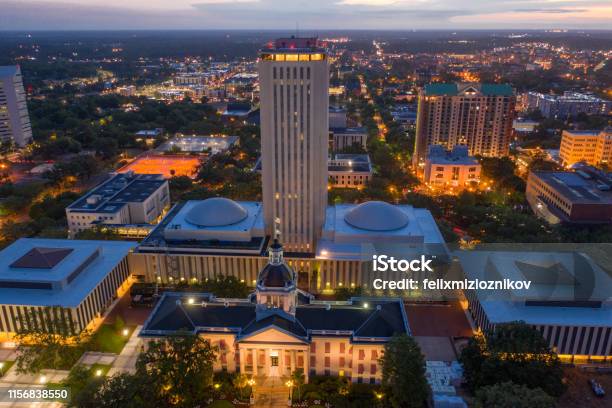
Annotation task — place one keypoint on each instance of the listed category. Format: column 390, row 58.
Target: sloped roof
column 380, row 318
column 438, row 89
column 41, row 258
column 292, row 326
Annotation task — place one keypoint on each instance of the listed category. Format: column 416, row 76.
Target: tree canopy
column 403, row 369
column 512, row 352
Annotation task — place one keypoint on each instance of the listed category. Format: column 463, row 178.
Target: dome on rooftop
column 216, row 212
column 376, row 216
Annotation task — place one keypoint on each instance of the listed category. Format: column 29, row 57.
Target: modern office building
column 568, row 300
column 14, row 118
column 124, row 199
column 79, row 278
column 455, row 168
column 280, row 328
column 349, row 137
column 567, row 105
column 583, row 196
column 477, row 115
column 592, row 147
column 294, row 81
column 349, row 170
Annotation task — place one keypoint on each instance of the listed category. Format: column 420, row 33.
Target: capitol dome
column 216, row 212
column 376, row 216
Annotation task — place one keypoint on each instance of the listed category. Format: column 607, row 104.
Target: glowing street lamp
column 289, row 384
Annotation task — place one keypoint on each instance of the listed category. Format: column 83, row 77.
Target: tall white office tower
column 14, row 118
column 294, row 83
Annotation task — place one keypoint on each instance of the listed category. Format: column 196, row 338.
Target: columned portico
column 277, row 363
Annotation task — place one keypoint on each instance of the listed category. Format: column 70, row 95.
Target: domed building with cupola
column 279, row 328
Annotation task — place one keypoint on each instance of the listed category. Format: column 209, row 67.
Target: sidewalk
column 126, row 361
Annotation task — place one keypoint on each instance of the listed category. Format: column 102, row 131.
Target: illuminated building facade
column 294, row 82
column 591, row 147
column 280, row 329
column 473, row 114
column 14, row 118
column 455, row 168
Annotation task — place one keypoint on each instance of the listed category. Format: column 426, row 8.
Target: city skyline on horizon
column 314, row 15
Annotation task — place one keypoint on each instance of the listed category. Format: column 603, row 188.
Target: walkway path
column 126, row 361
column 271, row 393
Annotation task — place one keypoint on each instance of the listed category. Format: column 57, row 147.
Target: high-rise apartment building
column 14, row 119
column 477, row 115
column 294, row 82
column 593, row 147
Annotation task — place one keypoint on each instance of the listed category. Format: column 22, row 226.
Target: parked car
column 597, row 388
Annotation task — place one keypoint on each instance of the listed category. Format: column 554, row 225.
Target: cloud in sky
column 310, row 14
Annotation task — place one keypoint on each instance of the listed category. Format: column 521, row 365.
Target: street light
column 290, row 385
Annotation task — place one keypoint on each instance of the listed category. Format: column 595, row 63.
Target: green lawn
column 108, row 340
column 7, row 365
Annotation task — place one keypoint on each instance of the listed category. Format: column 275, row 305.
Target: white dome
column 216, row 212
column 376, row 216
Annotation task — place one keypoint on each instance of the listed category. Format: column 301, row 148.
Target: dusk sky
column 310, row 14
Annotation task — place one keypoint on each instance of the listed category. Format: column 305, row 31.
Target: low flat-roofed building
column 455, row 168
column 125, row 198
column 582, row 196
column 280, row 328
column 568, row 104
column 237, row 110
column 593, row 147
column 199, row 144
column 337, row 117
column 568, row 300
column 82, row 278
column 347, row 137
column 349, row 170
column 524, row 126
